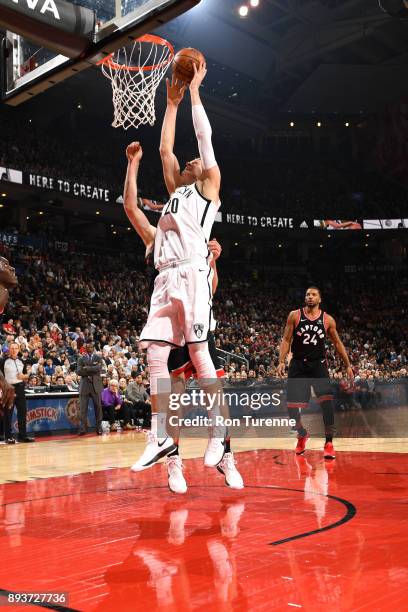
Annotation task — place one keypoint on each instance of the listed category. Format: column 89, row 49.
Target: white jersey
column 184, row 227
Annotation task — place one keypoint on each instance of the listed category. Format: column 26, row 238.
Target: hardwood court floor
column 304, row 533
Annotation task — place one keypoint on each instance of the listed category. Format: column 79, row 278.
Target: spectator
column 122, row 392
column 71, row 383
column 33, row 382
column 138, row 397
column 60, row 384
column 113, row 407
column 49, row 367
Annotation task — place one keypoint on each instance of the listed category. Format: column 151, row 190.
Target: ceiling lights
column 244, row 8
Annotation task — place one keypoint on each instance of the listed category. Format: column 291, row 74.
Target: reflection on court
column 114, row 539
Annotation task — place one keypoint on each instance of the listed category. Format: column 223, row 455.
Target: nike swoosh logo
column 202, row 270
column 158, row 443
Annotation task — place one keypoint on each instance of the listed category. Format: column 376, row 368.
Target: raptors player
column 307, row 330
column 179, row 362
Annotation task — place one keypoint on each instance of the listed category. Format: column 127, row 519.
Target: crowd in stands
column 60, row 304
column 269, row 184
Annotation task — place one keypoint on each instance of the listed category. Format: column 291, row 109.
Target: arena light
column 114, row 232
column 243, row 11
column 280, row 246
column 254, row 3
column 27, row 218
column 1, row 205
column 3, row 195
column 79, row 106
column 98, row 212
column 318, row 124
column 292, row 124
column 321, row 246
column 128, row 229
column 235, row 243
column 347, row 124
column 41, row 212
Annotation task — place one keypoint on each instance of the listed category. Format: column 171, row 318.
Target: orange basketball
column 183, row 63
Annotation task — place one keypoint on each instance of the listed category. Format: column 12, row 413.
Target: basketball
column 183, row 63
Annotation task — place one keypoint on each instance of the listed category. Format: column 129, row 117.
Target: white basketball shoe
column 177, row 482
column 228, row 467
column 155, row 449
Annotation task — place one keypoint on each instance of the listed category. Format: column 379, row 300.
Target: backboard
column 29, row 69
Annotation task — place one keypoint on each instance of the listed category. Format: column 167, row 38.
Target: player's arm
column 171, row 167
column 215, row 249
column 136, row 216
column 338, row 345
column 286, row 342
column 152, row 204
column 202, row 127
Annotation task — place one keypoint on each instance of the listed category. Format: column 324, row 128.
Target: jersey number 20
column 172, row 206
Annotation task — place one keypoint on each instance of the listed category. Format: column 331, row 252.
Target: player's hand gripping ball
column 184, row 61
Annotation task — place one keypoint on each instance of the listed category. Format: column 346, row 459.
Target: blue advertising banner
column 53, row 412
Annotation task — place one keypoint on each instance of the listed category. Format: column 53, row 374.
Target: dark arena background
column 308, row 106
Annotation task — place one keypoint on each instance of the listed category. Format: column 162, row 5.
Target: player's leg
column 298, row 395
column 325, row 398
column 214, row 402
column 178, row 364
column 180, row 367
column 227, row 465
column 159, row 444
column 158, row 335
column 197, row 306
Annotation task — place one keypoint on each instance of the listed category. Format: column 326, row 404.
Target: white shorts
column 181, row 306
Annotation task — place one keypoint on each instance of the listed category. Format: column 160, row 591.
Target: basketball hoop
column 135, row 72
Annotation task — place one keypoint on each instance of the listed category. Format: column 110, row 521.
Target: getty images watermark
column 198, row 409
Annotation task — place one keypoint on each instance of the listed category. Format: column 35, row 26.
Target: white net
column 135, row 72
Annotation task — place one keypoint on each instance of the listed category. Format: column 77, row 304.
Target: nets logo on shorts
column 198, row 329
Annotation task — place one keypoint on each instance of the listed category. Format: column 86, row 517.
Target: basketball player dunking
column 179, row 362
column 307, row 330
column 181, row 305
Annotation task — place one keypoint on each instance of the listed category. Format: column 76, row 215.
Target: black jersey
column 309, row 337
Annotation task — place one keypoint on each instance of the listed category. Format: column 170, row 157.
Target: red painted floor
column 303, row 534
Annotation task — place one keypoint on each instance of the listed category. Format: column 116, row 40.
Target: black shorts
column 302, row 376
column 179, row 360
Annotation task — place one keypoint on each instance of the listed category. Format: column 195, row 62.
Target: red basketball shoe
column 301, row 444
column 329, row 451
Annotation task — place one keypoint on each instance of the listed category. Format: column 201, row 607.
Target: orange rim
column 157, row 40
